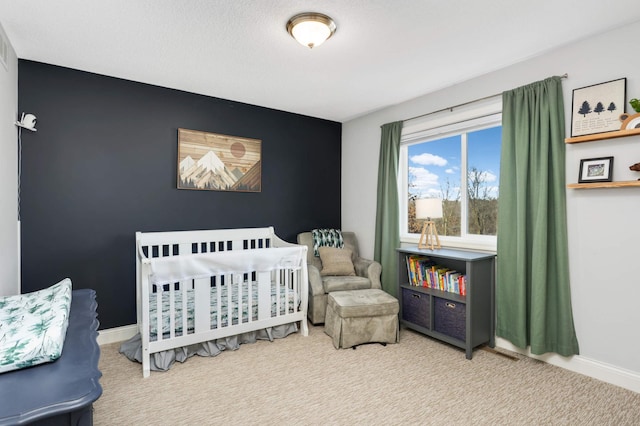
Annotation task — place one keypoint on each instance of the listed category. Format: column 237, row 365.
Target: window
column 458, row 162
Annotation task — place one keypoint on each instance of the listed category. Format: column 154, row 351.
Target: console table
column 61, row 392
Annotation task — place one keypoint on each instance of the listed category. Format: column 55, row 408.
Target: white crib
column 199, row 286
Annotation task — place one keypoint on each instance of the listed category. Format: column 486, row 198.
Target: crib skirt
column 162, row 361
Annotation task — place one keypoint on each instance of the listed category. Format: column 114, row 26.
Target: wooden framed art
column 596, row 170
column 597, row 108
column 215, row 162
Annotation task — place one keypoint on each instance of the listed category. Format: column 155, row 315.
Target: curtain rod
column 565, row 75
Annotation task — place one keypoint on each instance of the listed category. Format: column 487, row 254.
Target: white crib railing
column 257, row 270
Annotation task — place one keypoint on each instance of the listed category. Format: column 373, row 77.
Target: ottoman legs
column 349, row 332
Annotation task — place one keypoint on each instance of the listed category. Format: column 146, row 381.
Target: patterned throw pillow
column 326, row 238
column 336, row 261
column 34, row 326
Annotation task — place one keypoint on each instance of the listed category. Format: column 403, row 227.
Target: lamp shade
column 311, row 29
column 428, row 208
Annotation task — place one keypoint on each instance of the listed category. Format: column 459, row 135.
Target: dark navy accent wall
column 102, row 165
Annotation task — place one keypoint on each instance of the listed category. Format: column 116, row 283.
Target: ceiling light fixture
column 311, row 29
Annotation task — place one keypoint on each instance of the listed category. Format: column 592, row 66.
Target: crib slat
column 296, row 290
column 249, row 297
column 184, row 288
column 159, row 323
column 229, row 292
column 264, row 295
column 172, row 313
column 287, row 289
column 238, row 303
column 278, row 288
column 201, row 306
column 219, row 301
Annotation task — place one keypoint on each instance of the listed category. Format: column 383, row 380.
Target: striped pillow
column 326, row 238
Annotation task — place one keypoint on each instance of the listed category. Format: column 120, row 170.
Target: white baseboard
column 118, row 334
column 582, row 365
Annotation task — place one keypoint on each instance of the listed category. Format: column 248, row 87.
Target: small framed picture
column 597, row 108
column 596, row 170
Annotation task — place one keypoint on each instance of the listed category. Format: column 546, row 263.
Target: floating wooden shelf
column 601, row 136
column 621, row 184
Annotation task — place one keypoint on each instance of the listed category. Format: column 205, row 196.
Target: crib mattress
column 286, row 304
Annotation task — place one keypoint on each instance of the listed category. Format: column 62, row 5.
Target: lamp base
column 429, row 237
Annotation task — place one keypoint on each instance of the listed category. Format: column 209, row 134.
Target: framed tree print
column 597, row 108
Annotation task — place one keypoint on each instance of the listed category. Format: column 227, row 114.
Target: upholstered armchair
column 366, row 273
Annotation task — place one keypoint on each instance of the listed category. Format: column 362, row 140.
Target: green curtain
column 387, row 224
column 533, row 298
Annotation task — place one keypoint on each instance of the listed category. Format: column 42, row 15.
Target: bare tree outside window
column 435, row 170
column 483, row 207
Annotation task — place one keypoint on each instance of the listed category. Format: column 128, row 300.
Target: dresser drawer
column 450, row 318
column 415, row 308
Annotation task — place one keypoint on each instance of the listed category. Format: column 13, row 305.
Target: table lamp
column 429, row 208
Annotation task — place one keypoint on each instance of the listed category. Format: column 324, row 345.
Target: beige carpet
column 305, row 381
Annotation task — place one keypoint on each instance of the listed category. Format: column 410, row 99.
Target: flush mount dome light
column 311, row 29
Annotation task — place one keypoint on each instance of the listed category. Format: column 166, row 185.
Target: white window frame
column 475, row 116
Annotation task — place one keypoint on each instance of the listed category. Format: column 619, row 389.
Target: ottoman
column 356, row 317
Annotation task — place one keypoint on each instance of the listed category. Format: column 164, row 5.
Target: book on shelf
column 416, row 267
column 424, row 272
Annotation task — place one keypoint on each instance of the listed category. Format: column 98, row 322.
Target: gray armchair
column 367, row 276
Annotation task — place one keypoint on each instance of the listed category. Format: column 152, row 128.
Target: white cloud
column 450, row 171
column 489, row 177
column 432, row 192
column 427, row 159
column 423, row 182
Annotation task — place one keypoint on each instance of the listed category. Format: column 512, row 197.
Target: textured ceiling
column 383, row 52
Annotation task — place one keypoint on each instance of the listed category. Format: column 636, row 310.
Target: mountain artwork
column 211, row 161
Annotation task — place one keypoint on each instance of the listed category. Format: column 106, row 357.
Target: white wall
column 9, row 259
column 604, row 232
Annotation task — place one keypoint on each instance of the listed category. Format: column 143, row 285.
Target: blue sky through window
column 432, row 164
